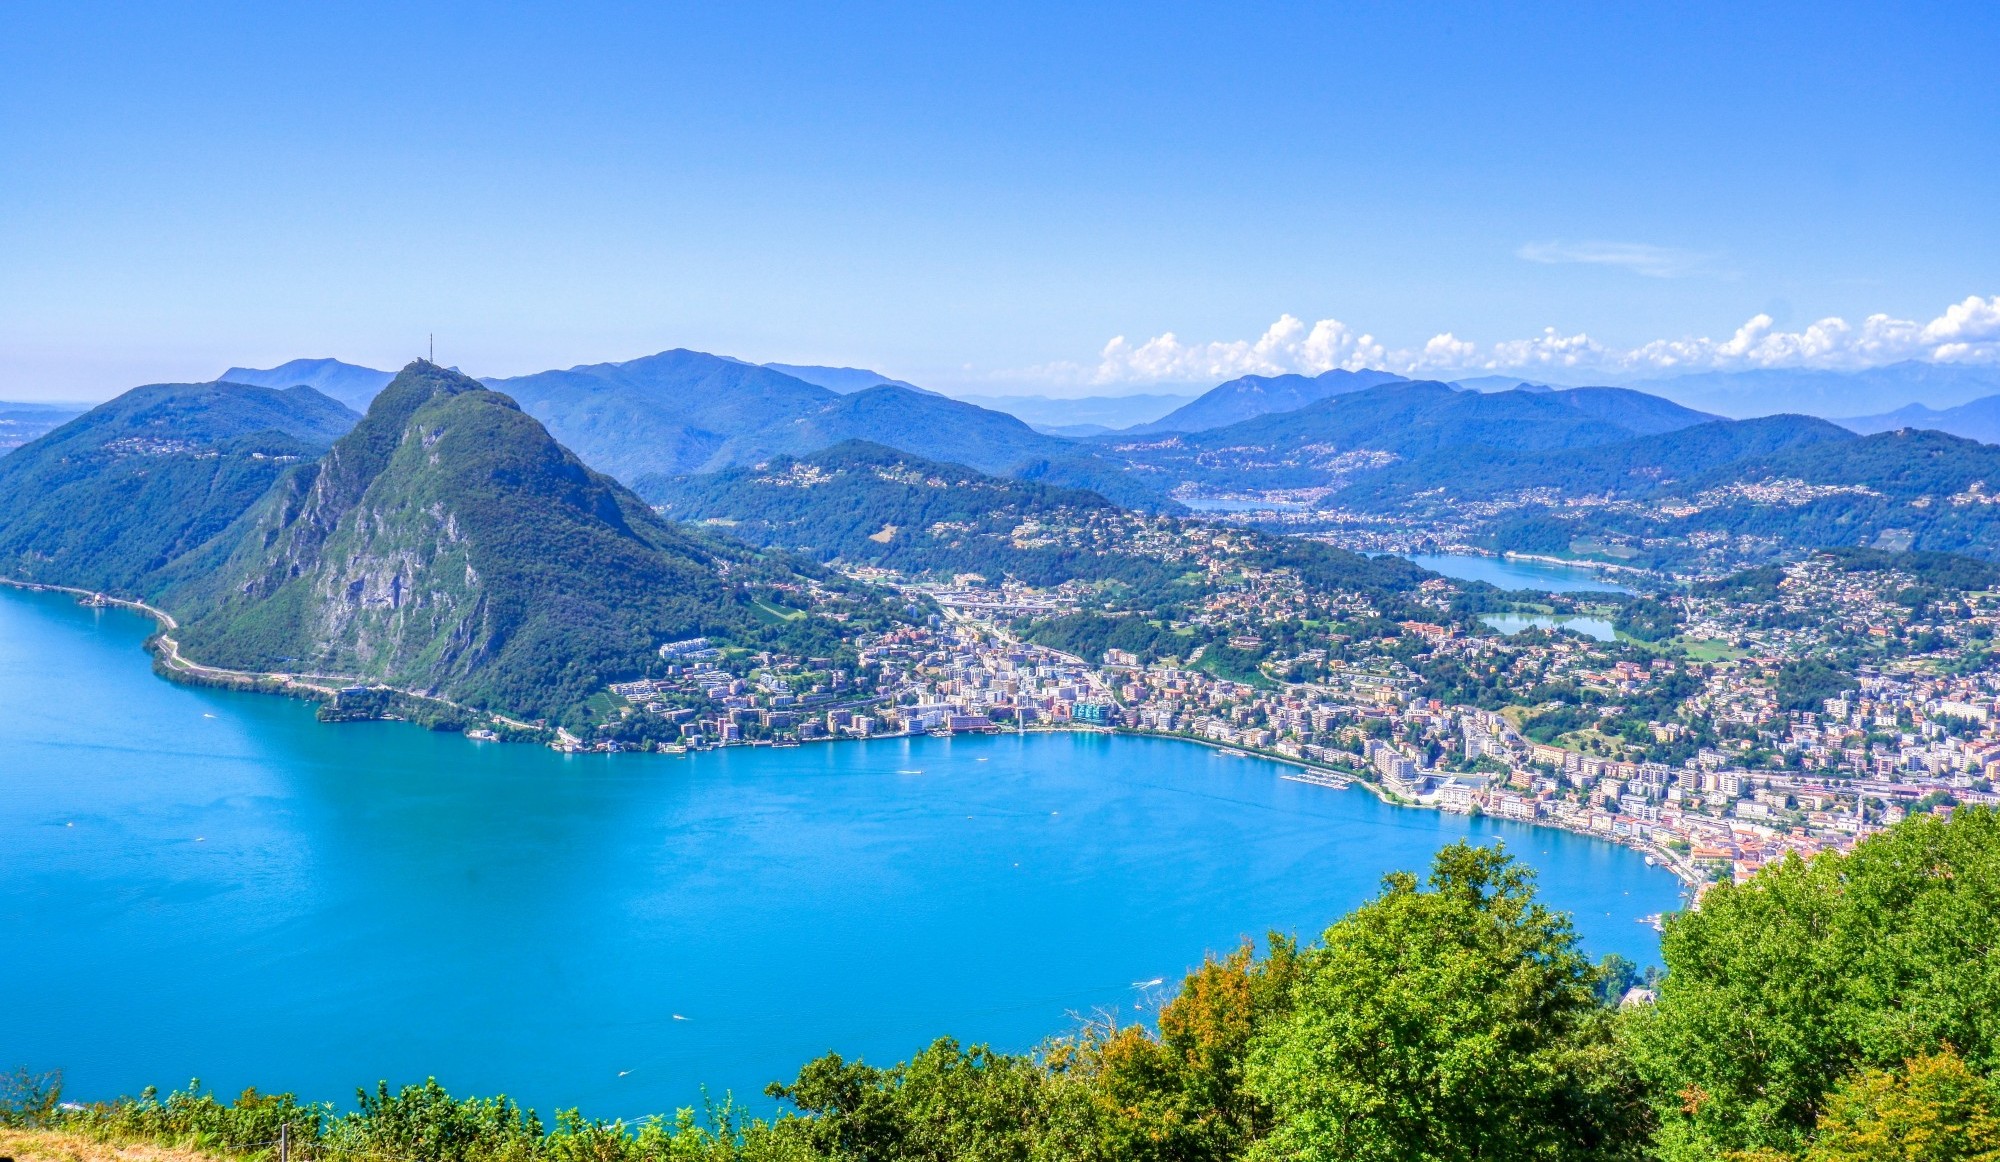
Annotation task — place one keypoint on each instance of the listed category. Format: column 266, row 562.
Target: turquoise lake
column 213, row 885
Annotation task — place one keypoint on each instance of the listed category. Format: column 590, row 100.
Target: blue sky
column 981, row 198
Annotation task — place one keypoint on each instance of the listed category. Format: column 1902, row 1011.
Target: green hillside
column 864, row 503
column 114, row 496
column 449, row 544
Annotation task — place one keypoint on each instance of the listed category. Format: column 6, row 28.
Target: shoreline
column 171, row 665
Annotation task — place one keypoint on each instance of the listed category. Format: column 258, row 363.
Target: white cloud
column 1287, row 346
column 1968, row 331
column 1637, row 257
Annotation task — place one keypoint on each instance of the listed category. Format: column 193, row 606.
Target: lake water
column 1509, row 573
column 1595, row 627
column 198, row 883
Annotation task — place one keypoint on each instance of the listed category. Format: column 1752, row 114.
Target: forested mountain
column 1257, row 395
column 683, row 411
column 449, row 544
column 112, row 497
column 351, row 385
column 1978, row 420
column 869, row 504
column 668, row 413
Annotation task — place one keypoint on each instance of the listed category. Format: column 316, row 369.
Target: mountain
column 844, row 380
column 22, row 422
column 1978, row 420
column 669, row 413
column 682, row 412
column 1062, row 416
column 114, row 496
column 351, row 385
column 1829, row 393
column 450, row 544
column 1257, row 395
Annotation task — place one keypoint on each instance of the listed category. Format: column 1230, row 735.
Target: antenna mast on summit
column 434, row 347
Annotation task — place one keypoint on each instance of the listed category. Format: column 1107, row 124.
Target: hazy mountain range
column 351, row 385
column 1088, row 415
column 1828, row 394
column 1926, row 394
column 1978, row 420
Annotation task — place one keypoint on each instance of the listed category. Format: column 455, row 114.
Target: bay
column 200, row 883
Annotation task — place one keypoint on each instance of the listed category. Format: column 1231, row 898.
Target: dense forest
column 1840, row 1009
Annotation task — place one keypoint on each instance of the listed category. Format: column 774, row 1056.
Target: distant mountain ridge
column 1827, row 394
column 1257, row 395
column 845, row 380
column 1094, row 414
column 682, row 412
column 1978, row 420
column 352, row 385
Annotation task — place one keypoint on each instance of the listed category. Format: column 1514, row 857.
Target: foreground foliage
column 1845, row 1009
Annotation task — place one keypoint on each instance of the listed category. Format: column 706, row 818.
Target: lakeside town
column 1714, row 753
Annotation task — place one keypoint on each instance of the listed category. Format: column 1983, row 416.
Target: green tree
column 945, row 1103
column 1180, row 1094
column 1451, row 1021
column 1778, row 990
